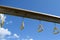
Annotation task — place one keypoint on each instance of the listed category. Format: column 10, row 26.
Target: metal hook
column 22, row 25
column 56, row 31
column 40, row 28
column 1, row 21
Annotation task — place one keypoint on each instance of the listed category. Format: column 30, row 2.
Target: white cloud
column 31, row 39
column 28, row 39
column 16, row 36
column 4, row 32
column 8, row 22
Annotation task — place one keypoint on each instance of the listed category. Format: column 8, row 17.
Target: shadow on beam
column 29, row 14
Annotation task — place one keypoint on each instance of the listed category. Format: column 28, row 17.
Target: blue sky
column 13, row 23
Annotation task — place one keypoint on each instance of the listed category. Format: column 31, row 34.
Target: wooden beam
column 29, row 14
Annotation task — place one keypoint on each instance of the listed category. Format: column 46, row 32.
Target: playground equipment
column 30, row 14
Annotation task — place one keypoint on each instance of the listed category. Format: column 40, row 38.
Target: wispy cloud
column 9, row 22
column 31, row 39
column 16, row 36
column 28, row 39
column 6, row 34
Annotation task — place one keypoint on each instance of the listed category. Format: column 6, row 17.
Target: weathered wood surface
column 29, row 14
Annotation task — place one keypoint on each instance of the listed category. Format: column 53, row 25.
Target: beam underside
column 27, row 14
